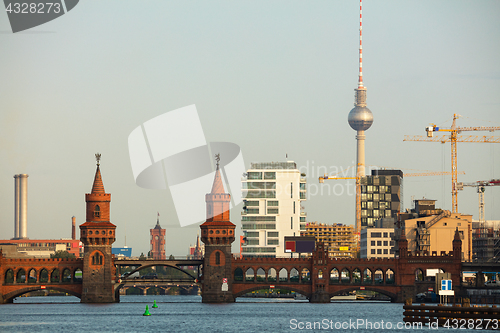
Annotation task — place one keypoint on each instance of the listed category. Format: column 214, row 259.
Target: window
column 272, row 210
column 376, row 235
column 386, row 251
column 302, row 186
column 255, row 175
column 260, row 194
column 97, row 211
column 379, row 251
column 291, row 190
column 258, row 218
column 379, row 243
column 373, row 251
column 385, row 234
column 97, row 259
column 303, row 195
column 373, row 243
column 217, row 258
column 273, row 234
column 294, row 207
column 258, row 185
column 252, row 211
column 302, row 219
column 252, row 204
column 273, row 242
column 386, row 243
column 252, row 242
column 269, row 175
column 252, row 234
column 272, row 203
column 258, row 226
column 291, row 222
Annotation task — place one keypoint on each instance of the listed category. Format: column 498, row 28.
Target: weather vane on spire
column 217, row 158
column 97, row 158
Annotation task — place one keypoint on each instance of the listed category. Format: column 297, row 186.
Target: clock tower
column 157, row 241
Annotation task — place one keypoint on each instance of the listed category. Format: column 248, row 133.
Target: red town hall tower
column 98, row 234
column 158, row 242
column 217, row 233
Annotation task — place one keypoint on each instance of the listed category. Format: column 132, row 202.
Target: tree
column 62, row 254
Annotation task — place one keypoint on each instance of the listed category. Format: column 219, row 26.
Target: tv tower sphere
column 360, row 118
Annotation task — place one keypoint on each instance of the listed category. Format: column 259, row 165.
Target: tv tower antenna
column 360, row 119
column 360, row 81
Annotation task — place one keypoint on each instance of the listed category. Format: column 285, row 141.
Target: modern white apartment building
column 273, row 193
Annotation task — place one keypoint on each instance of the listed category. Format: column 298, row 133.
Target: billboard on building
column 122, row 251
column 294, row 244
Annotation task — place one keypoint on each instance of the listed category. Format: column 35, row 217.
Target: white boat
column 344, row 298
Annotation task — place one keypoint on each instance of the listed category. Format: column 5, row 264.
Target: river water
column 188, row 314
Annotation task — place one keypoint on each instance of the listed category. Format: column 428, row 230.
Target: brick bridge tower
column 98, row 234
column 217, row 233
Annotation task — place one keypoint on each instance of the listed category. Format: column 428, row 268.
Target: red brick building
column 158, row 242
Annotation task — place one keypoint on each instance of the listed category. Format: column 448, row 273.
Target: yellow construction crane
column 454, row 138
column 358, row 191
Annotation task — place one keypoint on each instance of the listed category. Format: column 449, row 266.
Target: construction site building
column 431, row 230
column 486, row 241
column 339, row 239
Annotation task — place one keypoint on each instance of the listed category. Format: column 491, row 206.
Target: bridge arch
column 43, row 277
column 253, row 288
column 389, row 294
column 21, row 275
column 16, row 293
column 9, row 276
column 161, row 264
column 55, row 275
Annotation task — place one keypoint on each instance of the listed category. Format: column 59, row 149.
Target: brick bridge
column 20, row 276
column 319, row 277
column 224, row 278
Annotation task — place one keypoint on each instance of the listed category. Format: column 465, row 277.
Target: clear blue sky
column 274, row 77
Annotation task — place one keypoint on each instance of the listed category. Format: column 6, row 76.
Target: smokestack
column 17, row 192
column 21, row 206
column 73, row 228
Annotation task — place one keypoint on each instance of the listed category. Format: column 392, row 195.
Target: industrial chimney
column 21, row 206
column 73, row 228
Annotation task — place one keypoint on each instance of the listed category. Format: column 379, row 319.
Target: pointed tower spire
column 218, row 186
column 217, row 200
column 98, row 186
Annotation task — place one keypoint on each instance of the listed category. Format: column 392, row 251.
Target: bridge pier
column 320, row 297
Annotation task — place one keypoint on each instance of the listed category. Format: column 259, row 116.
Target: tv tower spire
column 360, row 81
column 360, row 118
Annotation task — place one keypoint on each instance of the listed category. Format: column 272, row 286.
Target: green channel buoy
column 146, row 313
column 154, row 305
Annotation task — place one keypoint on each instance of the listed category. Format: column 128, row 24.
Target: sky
column 275, row 77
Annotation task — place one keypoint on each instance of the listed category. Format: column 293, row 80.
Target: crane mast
column 454, row 138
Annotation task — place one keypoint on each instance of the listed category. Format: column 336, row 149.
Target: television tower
column 360, row 118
